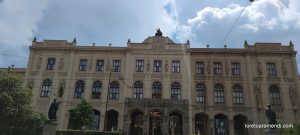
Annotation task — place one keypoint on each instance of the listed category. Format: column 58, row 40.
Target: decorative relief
column 91, row 65
column 286, row 79
column 148, row 65
column 273, row 79
column 107, row 64
column 293, row 95
column 226, row 68
column 208, row 69
column 236, row 78
column 218, row 78
column 39, row 63
column 166, row 66
column 284, row 69
column 257, row 79
column 259, row 68
column 258, row 95
column 61, row 63
column 30, row 83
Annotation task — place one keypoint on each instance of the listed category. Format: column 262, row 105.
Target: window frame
column 275, row 96
column 138, row 90
column 116, row 65
column 83, row 64
column 235, row 68
column 114, row 90
column 100, row 65
column 237, row 94
column 200, row 93
column 157, row 65
column 156, row 90
column 79, row 89
column 46, row 88
column 96, row 90
column 271, row 69
column 175, row 91
column 217, row 68
column 219, row 94
column 139, row 65
column 199, row 66
column 176, row 66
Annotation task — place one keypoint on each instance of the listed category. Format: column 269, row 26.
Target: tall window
column 237, row 94
column 116, row 65
column 157, row 66
column 99, row 65
column 275, row 95
column 200, row 93
column 138, row 90
column 114, row 90
column 46, row 88
column 271, row 69
column 217, row 68
column 175, row 66
column 200, row 67
column 51, row 63
column 156, row 90
column 79, row 89
column 219, row 93
column 235, row 68
column 82, row 64
column 139, row 66
column 96, row 90
column 175, row 91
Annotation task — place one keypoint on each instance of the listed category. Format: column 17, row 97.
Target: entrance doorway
column 221, row 124
column 201, row 122
column 239, row 125
column 136, row 125
column 156, row 123
column 112, row 120
column 175, row 124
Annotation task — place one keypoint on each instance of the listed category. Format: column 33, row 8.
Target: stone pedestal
column 49, row 127
column 272, row 132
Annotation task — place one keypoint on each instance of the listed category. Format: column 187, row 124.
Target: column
column 230, row 126
column 146, row 124
column 165, row 125
column 102, row 122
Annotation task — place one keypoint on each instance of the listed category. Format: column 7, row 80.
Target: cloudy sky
column 114, row 21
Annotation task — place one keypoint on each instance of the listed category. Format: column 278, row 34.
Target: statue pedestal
column 49, row 127
column 272, row 132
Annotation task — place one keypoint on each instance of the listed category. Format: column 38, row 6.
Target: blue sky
column 114, row 21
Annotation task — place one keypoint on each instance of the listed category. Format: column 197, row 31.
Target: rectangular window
column 99, row 65
column 157, row 66
column 200, row 67
column 139, row 66
column 82, row 64
column 217, row 68
column 235, row 68
column 51, row 63
column 175, row 66
column 271, row 69
column 116, row 65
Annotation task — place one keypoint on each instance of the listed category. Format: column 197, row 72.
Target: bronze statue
column 271, row 115
column 158, row 32
column 52, row 110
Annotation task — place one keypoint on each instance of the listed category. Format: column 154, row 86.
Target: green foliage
column 17, row 116
column 81, row 115
column 291, row 131
column 85, row 132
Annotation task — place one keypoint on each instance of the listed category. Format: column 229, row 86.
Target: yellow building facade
column 161, row 87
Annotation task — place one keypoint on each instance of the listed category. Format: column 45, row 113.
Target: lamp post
column 107, row 95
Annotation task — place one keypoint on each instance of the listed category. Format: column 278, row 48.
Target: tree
column 291, row 131
column 82, row 116
column 17, row 116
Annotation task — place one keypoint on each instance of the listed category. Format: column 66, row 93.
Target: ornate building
column 161, row 87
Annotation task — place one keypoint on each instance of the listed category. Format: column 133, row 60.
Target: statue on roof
column 158, row 32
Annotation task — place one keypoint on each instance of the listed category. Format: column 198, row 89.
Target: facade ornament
column 91, row 65
column 208, row 69
column 226, row 68
column 245, row 43
column 158, row 32
column 293, row 95
column 61, row 63
column 148, row 65
column 34, row 39
column 259, row 68
column 30, row 83
column 258, row 96
column 74, row 40
column 166, row 66
column 128, row 41
column 39, row 63
column 291, row 43
column 284, row 69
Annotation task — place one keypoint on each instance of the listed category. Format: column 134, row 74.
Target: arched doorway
column 201, row 122
column 136, row 125
column 175, row 124
column 112, row 120
column 96, row 119
column 221, row 124
column 239, row 125
column 156, row 123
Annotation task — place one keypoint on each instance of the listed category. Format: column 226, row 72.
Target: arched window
column 114, row 90
column 219, row 93
column 200, row 93
column 275, row 95
column 46, row 88
column 175, row 91
column 156, row 90
column 237, row 94
column 138, row 90
column 79, row 89
column 97, row 88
